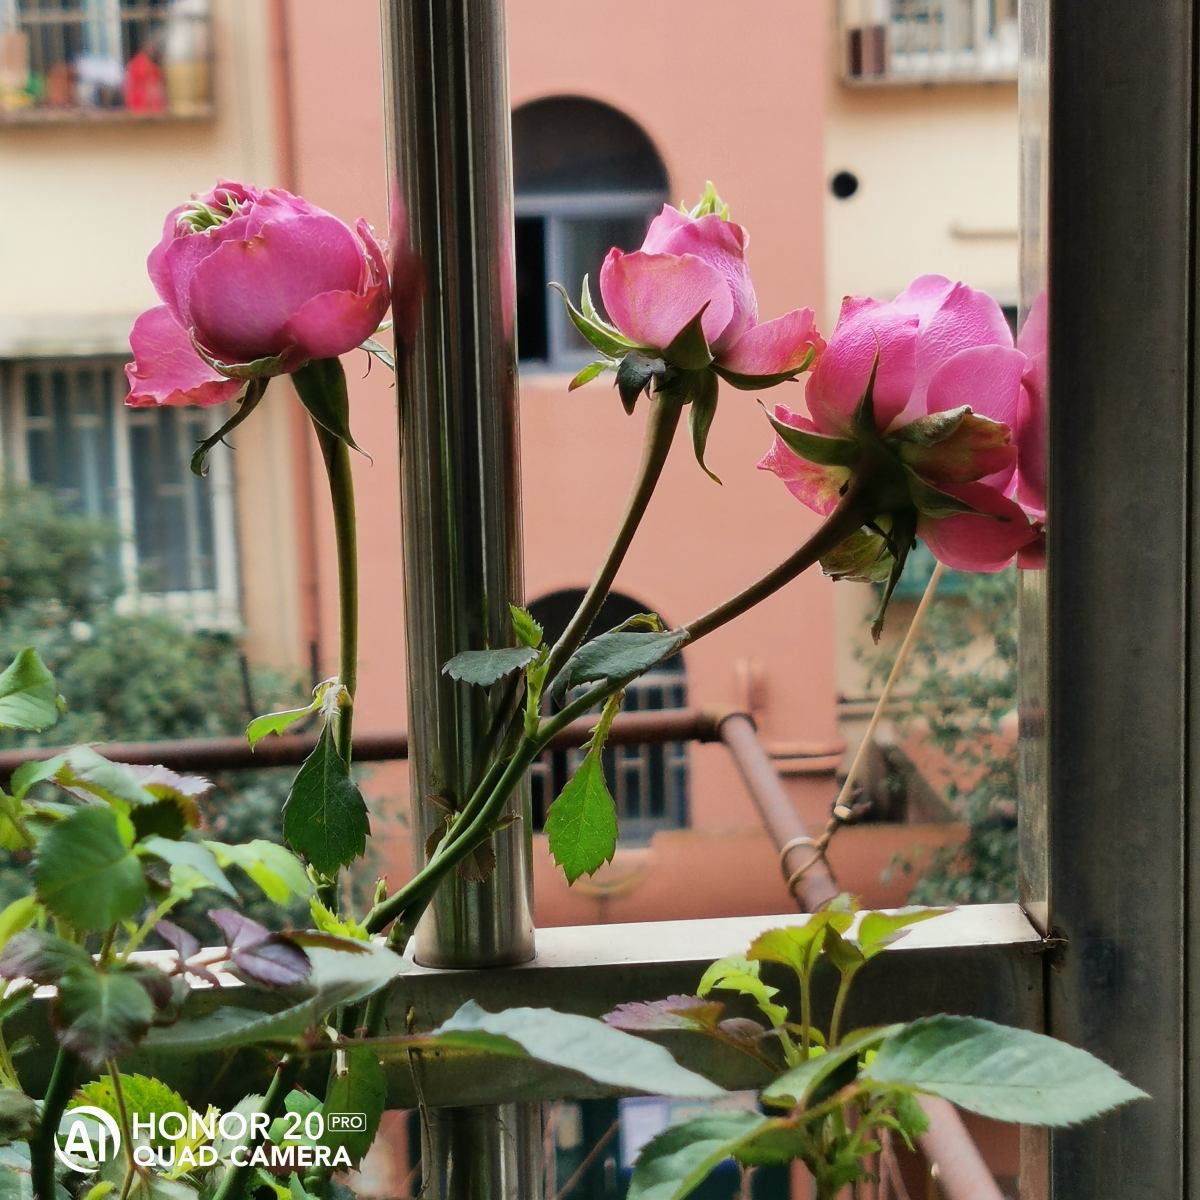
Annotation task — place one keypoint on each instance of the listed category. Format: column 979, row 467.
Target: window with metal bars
column 66, row 427
column 63, row 59
column 586, row 178
column 648, row 782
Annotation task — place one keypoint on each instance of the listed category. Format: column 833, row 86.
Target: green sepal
column 863, row 423
column 863, row 557
column 700, row 417
column 930, row 501
column 933, row 428
column 247, row 403
column 689, row 347
column 321, row 386
column 709, row 203
column 528, row 630
column 591, row 371
column 259, row 368
column 598, row 333
column 636, row 372
column 816, row 448
column 900, row 539
column 380, row 351
column 753, row 383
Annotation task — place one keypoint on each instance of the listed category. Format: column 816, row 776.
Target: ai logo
column 87, row 1138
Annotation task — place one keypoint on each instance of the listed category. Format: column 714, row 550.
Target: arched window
column 586, row 178
column 647, row 781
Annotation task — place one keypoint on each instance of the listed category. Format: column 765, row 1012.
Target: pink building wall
column 748, row 114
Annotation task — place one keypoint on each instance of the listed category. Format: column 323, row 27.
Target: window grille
column 73, row 59
column 67, row 427
column 586, row 178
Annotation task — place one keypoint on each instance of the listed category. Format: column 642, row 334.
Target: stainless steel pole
column 446, row 95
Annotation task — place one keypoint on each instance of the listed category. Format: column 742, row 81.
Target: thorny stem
column 41, row 1145
column 664, row 416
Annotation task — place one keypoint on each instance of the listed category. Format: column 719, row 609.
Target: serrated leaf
column 740, row 975
column 360, row 1088
column 796, row 1087
column 816, row 448
column 192, row 864
column 337, row 977
column 321, row 386
column 85, row 870
column 279, row 874
column 100, row 1015
column 878, row 930
column 529, row 631
column 145, row 1097
column 617, row 655
column 484, row 667
column 28, row 698
column 678, row 1160
column 259, row 955
column 672, row 1012
column 18, row 1116
column 573, row 1042
column 998, row 1072
column 277, row 722
column 798, row 946
column 341, row 925
column 325, row 817
column 247, row 403
column 700, row 418
column 581, row 825
column 41, row 956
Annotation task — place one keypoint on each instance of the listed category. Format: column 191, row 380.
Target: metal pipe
column 450, row 173
column 962, row 1174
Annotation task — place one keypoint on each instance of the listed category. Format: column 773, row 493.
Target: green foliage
column 964, row 673
column 485, row 667
column 101, row 1014
column 28, row 699
column 360, row 1087
column 582, row 823
column 679, row 1159
column 325, row 817
column 616, row 655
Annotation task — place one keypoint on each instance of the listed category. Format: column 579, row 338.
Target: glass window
column 647, row 780
column 587, row 178
column 67, row 428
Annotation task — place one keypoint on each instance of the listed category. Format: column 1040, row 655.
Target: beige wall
column 82, row 203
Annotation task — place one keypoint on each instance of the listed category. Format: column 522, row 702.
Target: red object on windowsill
column 145, row 90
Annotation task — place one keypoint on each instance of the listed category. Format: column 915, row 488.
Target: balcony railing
column 928, row 41
column 75, row 60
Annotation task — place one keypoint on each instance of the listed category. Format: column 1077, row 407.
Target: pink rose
column 688, row 265
column 256, row 283
column 947, row 392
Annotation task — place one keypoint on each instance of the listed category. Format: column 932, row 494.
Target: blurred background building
column 862, row 142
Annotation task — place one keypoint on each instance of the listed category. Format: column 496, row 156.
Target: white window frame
column 554, row 208
column 209, row 608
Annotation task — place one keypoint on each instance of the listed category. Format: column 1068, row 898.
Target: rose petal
column 984, row 541
column 166, row 368
column 866, row 329
column 774, row 346
column 924, row 296
column 721, row 244
column 651, row 297
column 817, row 486
column 1031, row 416
column 987, row 379
column 661, row 228
column 241, row 297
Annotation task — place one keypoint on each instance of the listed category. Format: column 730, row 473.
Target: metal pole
column 446, row 96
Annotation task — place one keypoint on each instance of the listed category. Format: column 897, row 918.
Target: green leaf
column 17, row 915
column 582, row 822
column 635, row 373
column 41, row 956
column 325, row 817
column 277, row 722
column 590, row 372
column 600, row 334
column 18, row 1116
column 28, row 698
column 337, row 977
column 617, row 655
column 321, row 386
column 247, row 403
column 878, row 930
column 689, row 347
column 100, row 1015
column 863, row 557
column 816, row 448
column 193, row 865
column 485, row 667
column 700, row 418
column 1003, row 1073
column 85, row 870
column 798, row 946
column 529, row 632
column 796, row 1087
column 279, row 874
column 340, row 925
column 360, row 1088
column 380, row 351
column 145, row 1097
column 575, row 1043
column 738, row 974
column 679, row 1159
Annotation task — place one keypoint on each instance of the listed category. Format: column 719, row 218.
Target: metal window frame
column 212, row 608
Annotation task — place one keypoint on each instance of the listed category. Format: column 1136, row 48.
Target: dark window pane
column 532, row 293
